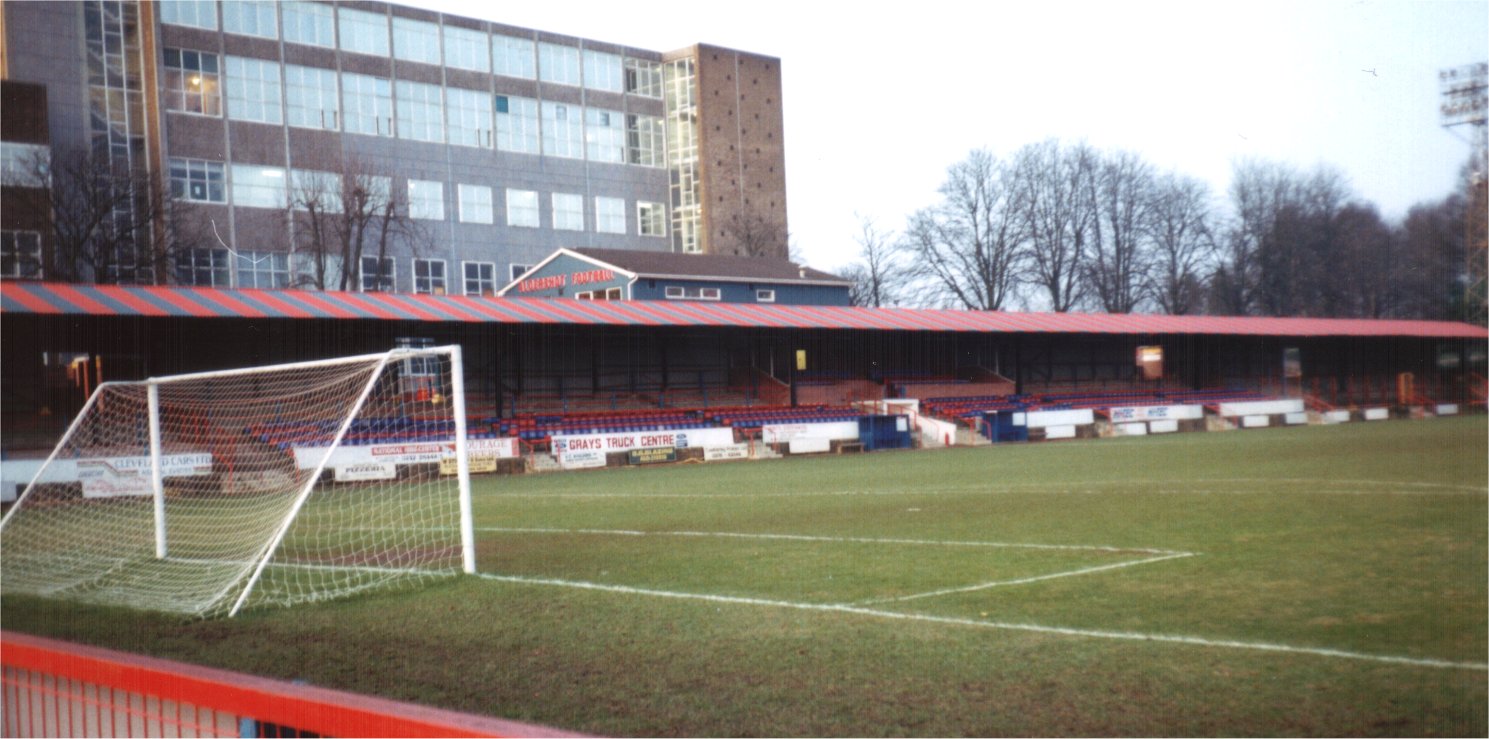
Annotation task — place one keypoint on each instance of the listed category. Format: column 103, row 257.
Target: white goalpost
column 208, row 493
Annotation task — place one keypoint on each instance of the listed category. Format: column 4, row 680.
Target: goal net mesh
column 280, row 485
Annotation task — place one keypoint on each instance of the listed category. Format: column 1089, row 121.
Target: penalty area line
column 1026, row 580
column 998, row 625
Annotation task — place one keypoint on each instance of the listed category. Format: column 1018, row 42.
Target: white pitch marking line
column 1166, row 553
column 1076, row 488
column 1035, row 628
column 1025, row 580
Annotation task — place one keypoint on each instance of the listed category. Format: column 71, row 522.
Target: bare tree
column 968, row 249
column 343, row 216
column 877, row 277
column 1119, row 259
column 1182, row 233
column 1059, row 214
column 749, row 234
column 108, row 225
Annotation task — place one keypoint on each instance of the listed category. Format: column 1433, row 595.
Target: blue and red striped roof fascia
column 42, row 298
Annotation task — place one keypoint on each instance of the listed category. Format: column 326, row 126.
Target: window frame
column 535, row 209
column 569, row 198
column 357, row 32
column 421, row 201
column 11, row 250
column 177, row 82
column 426, row 284
column 467, row 200
column 489, row 281
column 207, row 168
column 388, row 277
column 261, row 89
column 607, row 209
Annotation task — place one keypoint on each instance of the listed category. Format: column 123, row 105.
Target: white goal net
column 204, row 494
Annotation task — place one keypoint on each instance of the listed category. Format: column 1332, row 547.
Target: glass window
column 420, row 114
column 25, row 165
column 378, row 276
column 259, row 187
column 253, row 92
column 426, row 200
column 513, row 57
column 558, row 64
column 469, row 114
column 250, row 18
column 203, row 268
column 429, row 276
column 517, row 270
column 309, row 23
column 263, row 269
column 467, row 49
column 563, row 131
column 651, row 219
column 415, row 41
column 198, row 180
column 676, row 292
column 643, row 78
column 610, row 215
column 195, row 13
column 311, row 189
column 475, row 203
column 604, row 135
column 20, row 254
column 316, row 270
column 367, row 104
column 192, row 82
column 568, row 212
column 517, row 124
column 646, row 142
column 522, row 208
column 310, row 97
column 480, row 278
column 602, row 71
column 765, row 296
column 363, row 32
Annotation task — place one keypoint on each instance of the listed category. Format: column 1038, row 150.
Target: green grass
column 622, row 608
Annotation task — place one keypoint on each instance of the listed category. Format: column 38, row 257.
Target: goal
column 208, row 493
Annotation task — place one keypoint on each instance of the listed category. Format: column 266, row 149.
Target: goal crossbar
column 263, row 441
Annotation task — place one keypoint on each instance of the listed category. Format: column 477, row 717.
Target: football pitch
column 1299, row 581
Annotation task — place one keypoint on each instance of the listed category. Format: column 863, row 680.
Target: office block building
column 364, row 145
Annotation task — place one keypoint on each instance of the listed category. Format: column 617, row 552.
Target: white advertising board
column 1079, row 417
column 1157, row 413
column 1377, row 414
column 307, row 457
column 726, row 452
column 1163, row 427
column 1336, row 417
column 578, row 459
column 810, row 445
column 1447, row 409
column 366, row 471
column 1132, row 429
column 102, row 476
column 1295, row 419
column 1059, row 432
column 584, row 444
column 782, row 433
column 1256, row 422
column 1262, row 407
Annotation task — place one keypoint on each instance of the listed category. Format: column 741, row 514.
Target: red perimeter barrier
column 53, row 688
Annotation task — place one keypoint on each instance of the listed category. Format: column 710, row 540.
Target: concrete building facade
column 272, row 125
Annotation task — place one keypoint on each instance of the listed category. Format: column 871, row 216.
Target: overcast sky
column 881, row 98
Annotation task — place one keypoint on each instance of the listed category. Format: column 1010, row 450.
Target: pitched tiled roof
column 670, row 264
